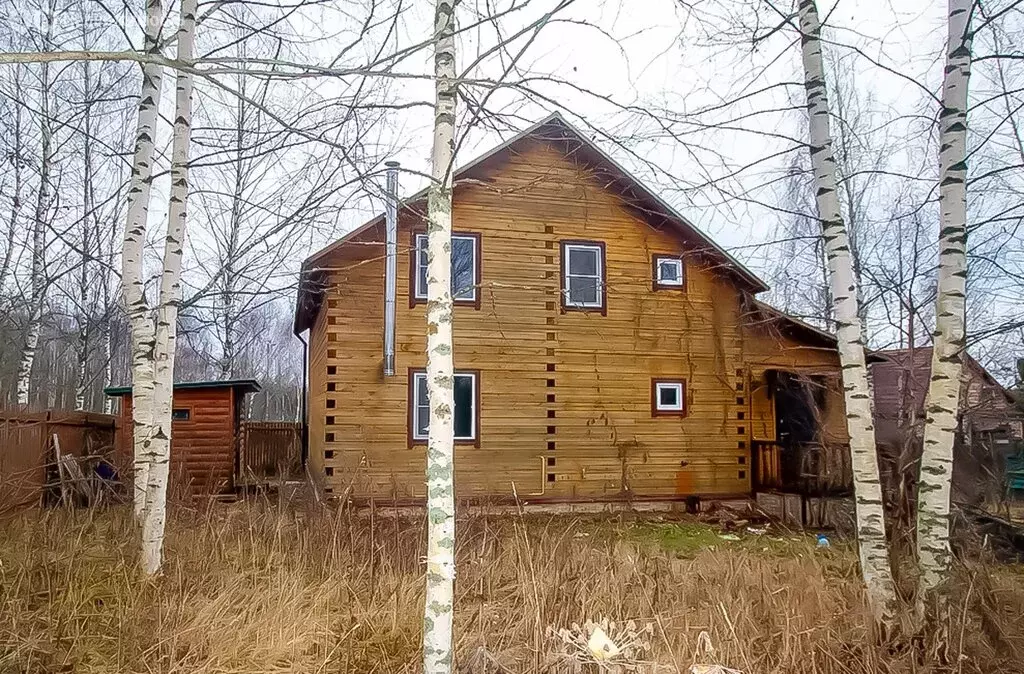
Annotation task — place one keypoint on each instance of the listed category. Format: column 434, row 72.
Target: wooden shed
column 206, row 433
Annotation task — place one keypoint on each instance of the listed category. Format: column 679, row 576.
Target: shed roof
column 241, row 385
column 555, row 129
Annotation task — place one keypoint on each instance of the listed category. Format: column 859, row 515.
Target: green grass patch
column 688, row 539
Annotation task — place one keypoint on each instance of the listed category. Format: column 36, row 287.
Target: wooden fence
column 270, row 450
column 27, row 460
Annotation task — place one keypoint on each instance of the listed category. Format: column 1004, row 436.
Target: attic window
column 465, row 268
column 583, row 276
column 668, row 272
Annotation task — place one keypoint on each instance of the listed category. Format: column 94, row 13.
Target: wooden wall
column 565, row 397
column 27, row 457
column 203, row 449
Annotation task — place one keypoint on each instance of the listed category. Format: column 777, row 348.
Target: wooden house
column 206, row 437
column 990, row 422
column 605, row 348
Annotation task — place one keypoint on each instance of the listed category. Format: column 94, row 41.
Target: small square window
column 668, row 271
column 181, row 414
column 669, row 397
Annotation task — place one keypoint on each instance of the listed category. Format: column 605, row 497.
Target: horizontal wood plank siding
column 597, row 428
column 203, row 448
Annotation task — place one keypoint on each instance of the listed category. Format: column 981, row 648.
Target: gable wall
column 570, row 387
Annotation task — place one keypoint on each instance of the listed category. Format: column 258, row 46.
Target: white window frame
column 420, row 289
column 677, row 386
column 417, row 407
column 677, row 282
column 567, row 298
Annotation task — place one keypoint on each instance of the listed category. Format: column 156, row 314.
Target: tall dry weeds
column 250, row 587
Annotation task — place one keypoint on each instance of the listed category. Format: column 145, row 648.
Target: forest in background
column 283, row 165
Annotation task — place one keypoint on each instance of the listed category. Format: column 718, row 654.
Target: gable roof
column 888, row 364
column 553, row 129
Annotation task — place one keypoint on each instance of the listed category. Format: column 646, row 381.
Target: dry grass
column 251, row 588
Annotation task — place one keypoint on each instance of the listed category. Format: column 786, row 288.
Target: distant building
column 990, row 425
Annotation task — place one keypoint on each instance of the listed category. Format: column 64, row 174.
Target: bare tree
column 871, row 537
column 942, row 404
column 132, row 257
column 439, row 598
column 40, row 222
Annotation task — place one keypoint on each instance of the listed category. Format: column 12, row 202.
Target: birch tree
column 132, row 274
column 440, row 471
column 942, row 402
column 16, row 157
column 167, row 311
column 40, row 220
column 88, row 241
column 871, row 537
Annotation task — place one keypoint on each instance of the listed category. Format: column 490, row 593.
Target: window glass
column 583, row 283
column 463, row 267
column 421, row 266
column 583, row 261
column 583, row 290
column 465, row 412
column 181, row 414
column 668, row 271
column 422, row 406
column 464, row 407
column 668, row 396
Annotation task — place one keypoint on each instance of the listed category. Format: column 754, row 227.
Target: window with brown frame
column 466, row 270
column 584, row 276
column 467, row 407
column 668, row 272
column 668, row 397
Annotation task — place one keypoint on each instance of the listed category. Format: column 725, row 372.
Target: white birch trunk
column 170, row 296
column 88, row 206
column 16, row 160
column 38, row 283
column 874, row 556
column 143, row 333
column 942, row 403
column 440, row 473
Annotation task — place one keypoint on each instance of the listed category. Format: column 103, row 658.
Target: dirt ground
column 253, row 587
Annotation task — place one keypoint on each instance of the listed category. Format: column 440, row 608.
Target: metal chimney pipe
column 390, row 265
